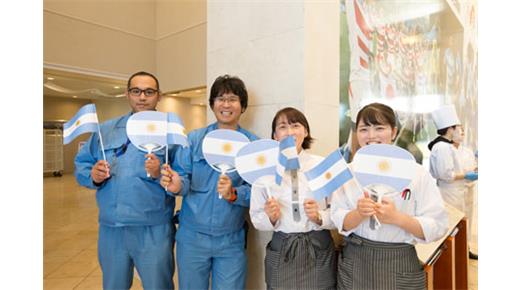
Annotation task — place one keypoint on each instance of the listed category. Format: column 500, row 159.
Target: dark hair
column 377, row 114
column 293, row 116
column 443, row 131
column 142, row 73
column 228, row 84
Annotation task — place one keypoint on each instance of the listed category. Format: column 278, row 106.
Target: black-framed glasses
column 231, row 100
column 136, row 92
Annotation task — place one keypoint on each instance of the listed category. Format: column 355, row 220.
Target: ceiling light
column 74, row 97
column 50, row 78
column 116, row 87
column 198, row 91
column 202, row 104
column 175, row 94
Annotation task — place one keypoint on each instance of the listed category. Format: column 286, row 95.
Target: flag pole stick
column 166, row 186
column 101, row 143
column 362, row 191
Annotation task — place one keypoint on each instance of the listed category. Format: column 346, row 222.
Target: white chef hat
column 445, row 116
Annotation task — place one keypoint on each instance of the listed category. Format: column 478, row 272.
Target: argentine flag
column 84, row 121
column 384, row 164
column 176, row 134
column 287, row 158
column 147, row 130
column 220, row 147
column 257, row 159
column 328, row 175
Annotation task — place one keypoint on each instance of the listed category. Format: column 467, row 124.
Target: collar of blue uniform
column 214, row 126
column 122, row 122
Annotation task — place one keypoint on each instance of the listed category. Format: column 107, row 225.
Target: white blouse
column 424, row 204
column 282, row 193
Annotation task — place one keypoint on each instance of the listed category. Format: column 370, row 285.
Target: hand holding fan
column 220, row 147
column 383, row 166
column 147, row 131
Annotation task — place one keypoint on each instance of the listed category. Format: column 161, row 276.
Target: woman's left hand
column 312, row 210
column 386, row 211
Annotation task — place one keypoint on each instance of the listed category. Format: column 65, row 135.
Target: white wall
column 181, row 43
column 97, row 35
column 193, row 116
column 165, row 37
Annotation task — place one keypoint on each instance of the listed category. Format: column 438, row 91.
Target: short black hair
column 228, row 84
column 142, row 73
column 293, row 116
column 443, row 131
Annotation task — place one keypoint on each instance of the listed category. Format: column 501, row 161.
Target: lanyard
column 120, row 151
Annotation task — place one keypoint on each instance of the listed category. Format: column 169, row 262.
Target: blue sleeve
column 85, row 160
column 243, row 195
column 182, row 165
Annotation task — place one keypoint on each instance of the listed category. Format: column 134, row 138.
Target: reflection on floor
column 70, row 238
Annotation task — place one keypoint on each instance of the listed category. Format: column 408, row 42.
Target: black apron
column 367, row 264
column 301, row 261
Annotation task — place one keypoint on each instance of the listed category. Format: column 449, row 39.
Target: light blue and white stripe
column 84, row 121
column 328, row 175
column 222, row 145
column 384, row 164
column 287, row 158
column 176, row 131
column 257, row 159
column 147, row 127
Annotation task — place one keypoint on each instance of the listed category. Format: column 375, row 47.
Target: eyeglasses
column 136, row 92
column 231, row 100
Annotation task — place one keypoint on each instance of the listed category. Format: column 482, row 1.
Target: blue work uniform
column 135, row 212
column 211, row 237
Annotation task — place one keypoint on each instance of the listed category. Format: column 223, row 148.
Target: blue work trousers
column 148, row 248
column 200, row 254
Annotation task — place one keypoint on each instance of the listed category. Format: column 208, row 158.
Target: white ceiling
column 57, row 83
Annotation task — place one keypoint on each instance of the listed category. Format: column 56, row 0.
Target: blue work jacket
column 128, row 197
column 202, row 210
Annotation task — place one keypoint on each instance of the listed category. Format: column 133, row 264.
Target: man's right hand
column 170, row 179
column 100, row 172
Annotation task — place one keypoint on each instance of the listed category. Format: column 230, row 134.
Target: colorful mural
column 414, row 56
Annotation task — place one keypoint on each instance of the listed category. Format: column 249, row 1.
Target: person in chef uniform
column 445, row 164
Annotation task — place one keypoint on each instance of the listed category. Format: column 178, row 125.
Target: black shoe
column 473, row 256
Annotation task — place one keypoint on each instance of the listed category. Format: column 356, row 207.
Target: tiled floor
column 70, row 238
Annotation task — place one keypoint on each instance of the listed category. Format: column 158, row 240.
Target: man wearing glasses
column 135, row 212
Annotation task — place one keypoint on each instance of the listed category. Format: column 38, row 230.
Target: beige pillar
column 287, row 53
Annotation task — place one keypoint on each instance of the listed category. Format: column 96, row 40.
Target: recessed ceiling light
column 175, row 94
column 74, row 97
column 198, row 91
column 116, row 87
column 202, row 104
column 50, row 78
